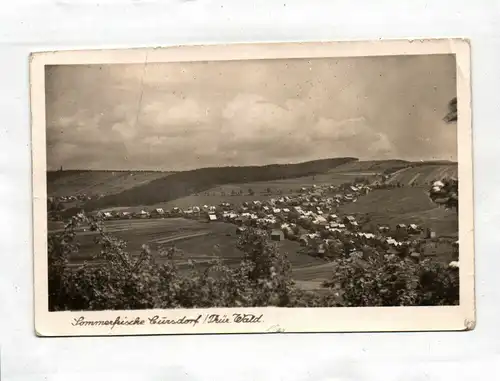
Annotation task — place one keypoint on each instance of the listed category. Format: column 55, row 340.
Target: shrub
column 445, row 192
column 388, row 280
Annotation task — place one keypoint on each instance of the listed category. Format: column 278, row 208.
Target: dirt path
column 392, row 176
column 180, row 237
column 414, row 178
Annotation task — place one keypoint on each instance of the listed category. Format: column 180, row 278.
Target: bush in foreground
column 262, row 278
column 389, row 280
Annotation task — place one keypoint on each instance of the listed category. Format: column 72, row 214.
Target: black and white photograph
column 263, row 189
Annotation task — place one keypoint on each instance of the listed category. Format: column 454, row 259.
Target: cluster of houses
column 82, row 197
column 308, row 217
column 310, row 203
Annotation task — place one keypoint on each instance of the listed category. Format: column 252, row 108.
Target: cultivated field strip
column 179, row 237
column 100, row 182
column 423, row 174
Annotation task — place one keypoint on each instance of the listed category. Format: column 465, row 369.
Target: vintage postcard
column 252, row 188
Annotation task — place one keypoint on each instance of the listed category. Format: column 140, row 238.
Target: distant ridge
column 181, row 184
column 372, row 163
column 328, row 160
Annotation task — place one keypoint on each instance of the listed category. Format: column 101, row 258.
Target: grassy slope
column 97, row 182
column 404, row 205
column 425, row 173
column 183, row 184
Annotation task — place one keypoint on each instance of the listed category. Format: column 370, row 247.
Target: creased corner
column 469, row 325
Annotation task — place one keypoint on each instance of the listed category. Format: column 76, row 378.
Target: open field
column 404, row 205
column 197, row 241
column 97, row 182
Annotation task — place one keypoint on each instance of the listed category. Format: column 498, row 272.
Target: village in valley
column 315, row 218
column 298, row 184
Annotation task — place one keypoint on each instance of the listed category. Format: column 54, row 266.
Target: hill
column 424, row 173
column 64, row 183
column 181, row 184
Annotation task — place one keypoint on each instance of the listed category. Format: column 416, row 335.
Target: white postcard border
column 271, row 319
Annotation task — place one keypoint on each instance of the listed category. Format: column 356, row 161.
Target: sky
column 181, row 116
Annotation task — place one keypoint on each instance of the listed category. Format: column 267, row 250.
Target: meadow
column 196, row 241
